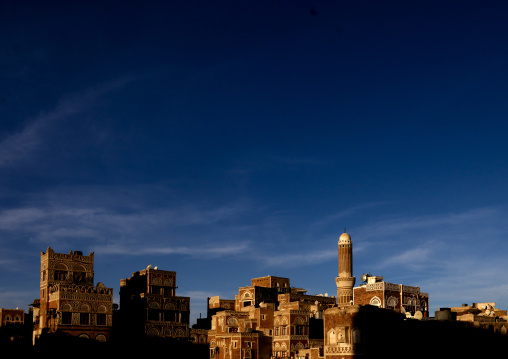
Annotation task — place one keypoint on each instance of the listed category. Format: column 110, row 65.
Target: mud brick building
column 270, row 320
column 11, row 316
column 150, row 307
column 397, row 297
column 69, row 302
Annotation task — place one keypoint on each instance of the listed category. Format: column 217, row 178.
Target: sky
column 229, row 140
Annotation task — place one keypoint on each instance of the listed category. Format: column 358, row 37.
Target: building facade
column 11, row 316
column 69, row 302
column 478, row 315
column 150, row 307
column 400, row 298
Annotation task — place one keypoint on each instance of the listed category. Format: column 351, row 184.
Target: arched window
column 392, row 303
column 79, row 274
column 232, row 321
column 332, row 337
column 375, row 301
column 299, row 321
column 101, row 338
column 153, row 305
column 356, row 334
column 84, row 316
column 61, row 272
column 153, row 332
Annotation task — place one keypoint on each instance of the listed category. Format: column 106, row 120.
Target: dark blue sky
column 227, row 140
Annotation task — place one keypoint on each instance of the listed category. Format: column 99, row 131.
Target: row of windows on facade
column 246, row 352
column 277, row 354
column 168, row 316
column 8, row 319
column 282, row 330
column 84, row 318
column 60, row 275
column 392, row 303
column 160, row 290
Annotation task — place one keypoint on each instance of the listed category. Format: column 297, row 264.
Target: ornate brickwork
column 69, row 301
column 150, row 306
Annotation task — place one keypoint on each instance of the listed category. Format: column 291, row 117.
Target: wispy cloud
column 472, row 221
column 415, row 258
column 289, row 260
column 334, row 217
column 109, row 228
column 35, row 134
column 210, row 251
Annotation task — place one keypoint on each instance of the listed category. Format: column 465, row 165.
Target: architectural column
column 345, row 281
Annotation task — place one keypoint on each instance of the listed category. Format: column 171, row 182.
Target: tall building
column 69, row 302
column 149, row 306
column 345, row 281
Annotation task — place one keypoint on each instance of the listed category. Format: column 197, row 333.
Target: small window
column 79, row 277
column 84, row 319
column 153, row 314
column 60, row 275
column 66, row 318
column 101, row 319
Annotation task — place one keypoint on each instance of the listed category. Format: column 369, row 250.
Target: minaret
column 345, row 281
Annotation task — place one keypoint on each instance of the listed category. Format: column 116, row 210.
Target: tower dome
column 344, row 238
